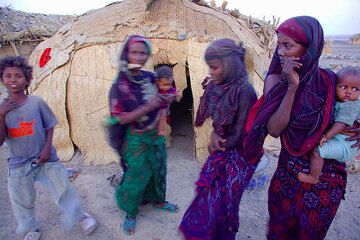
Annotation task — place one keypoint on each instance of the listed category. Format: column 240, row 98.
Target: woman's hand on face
column 217, row 143
column 354, row 129
column 289, row 70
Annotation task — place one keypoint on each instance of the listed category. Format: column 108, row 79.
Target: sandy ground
column 343, row 55
column 97, row 197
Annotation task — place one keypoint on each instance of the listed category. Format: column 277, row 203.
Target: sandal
column 129, row 225
column 354, row 166
column 252, row 185
column 115, row 179
column 33, row 235
column 167, row 206
column 262, row 180
column 73, row 173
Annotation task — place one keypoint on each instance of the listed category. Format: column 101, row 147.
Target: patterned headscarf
column 124, row 53
column 307, row 31
column 129, row 92
column 314, row 100
column 221, row 101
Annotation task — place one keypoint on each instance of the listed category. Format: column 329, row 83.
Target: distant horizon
column 336, row 17
column 339, row 35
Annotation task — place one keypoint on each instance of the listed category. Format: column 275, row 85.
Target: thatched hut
column 355, row 39
column 21, row 32
column 84, row 61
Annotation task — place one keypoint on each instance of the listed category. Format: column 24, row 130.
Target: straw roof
column 84, row 61
column 22, row 26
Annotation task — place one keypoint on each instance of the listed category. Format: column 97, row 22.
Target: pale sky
column 338, row 17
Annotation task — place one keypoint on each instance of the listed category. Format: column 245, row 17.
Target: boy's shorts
column 338, row 148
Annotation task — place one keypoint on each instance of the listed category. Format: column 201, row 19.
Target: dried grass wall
column 198, row 70
column 76, row 81
column 53, row 91
column 87, row 100
column 82, row 85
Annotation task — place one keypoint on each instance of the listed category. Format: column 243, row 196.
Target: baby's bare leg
column 316, row 164
column 161, row 124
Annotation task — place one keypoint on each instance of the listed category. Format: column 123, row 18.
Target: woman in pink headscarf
column 297, row 105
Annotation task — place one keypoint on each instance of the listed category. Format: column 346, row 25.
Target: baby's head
column 164, row 78
column 15, row 73
column 348, row 84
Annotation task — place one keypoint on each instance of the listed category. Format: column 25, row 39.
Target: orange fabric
column 24, row 129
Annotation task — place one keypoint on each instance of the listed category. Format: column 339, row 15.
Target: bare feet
column 307, row 178
column 354, row 166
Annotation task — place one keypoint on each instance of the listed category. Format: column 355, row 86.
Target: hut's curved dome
column 84, row 61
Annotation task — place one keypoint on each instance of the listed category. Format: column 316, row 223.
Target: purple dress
column 300, row 210
column 213, row 214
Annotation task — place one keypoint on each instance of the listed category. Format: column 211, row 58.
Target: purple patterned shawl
column 213, row 214
column 127, row 95
column 314, row 100
column 225, row 103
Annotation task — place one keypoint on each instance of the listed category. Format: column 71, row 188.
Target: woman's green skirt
column 145, row 178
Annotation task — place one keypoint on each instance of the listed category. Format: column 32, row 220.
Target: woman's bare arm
column 280, row 119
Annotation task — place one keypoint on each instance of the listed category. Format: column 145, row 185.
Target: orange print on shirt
column 24, row 129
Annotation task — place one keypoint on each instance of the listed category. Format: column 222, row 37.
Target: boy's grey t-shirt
column 25, row 131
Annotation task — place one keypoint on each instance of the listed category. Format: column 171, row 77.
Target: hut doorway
column 181, row 118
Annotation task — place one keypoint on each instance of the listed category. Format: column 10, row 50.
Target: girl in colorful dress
column 227, row 100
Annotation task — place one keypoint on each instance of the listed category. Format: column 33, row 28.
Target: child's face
column 348, row 88
column 14, row 80
column 164, row 84
column 137, row 53
column 215, row 70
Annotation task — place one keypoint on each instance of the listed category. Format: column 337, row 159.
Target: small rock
column 181, row 36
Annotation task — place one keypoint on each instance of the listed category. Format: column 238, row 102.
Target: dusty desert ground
column 97, row 195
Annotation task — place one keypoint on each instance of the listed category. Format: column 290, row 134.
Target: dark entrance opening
column 182, row 131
